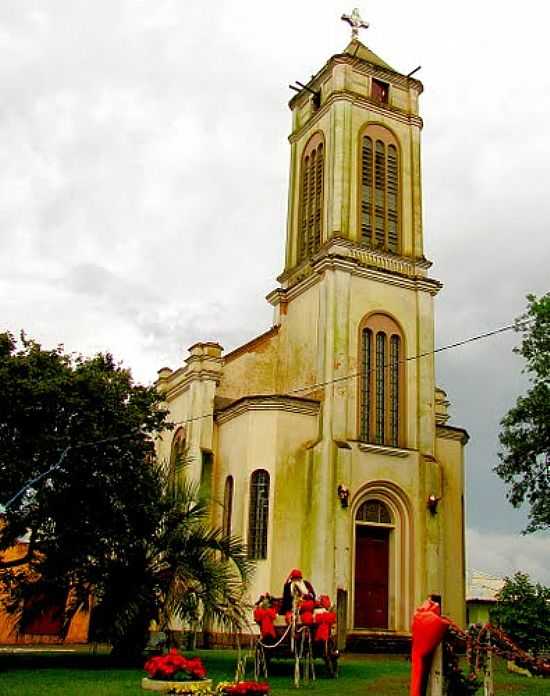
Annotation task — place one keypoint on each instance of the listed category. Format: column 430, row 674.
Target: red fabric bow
column 428, row 629
column 324, row 621
column 265, row 619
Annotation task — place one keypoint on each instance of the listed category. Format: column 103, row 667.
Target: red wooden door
column 371, row 576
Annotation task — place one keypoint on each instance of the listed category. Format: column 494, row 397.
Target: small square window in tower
column 380, row 90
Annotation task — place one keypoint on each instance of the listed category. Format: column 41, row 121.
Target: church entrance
column 372, row 554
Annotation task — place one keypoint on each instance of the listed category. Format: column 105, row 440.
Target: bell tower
column 354, row 316
column 355, row 162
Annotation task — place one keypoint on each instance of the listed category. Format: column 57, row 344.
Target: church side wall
column 273, row 440
column 251, row 372
column 450, row 452
column 301, row 333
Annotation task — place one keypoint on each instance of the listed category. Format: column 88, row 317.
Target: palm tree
column 186, row 570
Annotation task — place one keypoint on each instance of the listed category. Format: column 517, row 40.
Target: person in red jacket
column 295, row 586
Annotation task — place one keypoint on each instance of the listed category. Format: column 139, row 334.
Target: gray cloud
column 143, row 186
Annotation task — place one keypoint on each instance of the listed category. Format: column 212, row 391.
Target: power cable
column 311, row 387
column 353, row 375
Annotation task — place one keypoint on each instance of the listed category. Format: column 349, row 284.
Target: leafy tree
column 98, row 517
column 83, row 431
column 185, row 571
column 525, row 433
column 523, row 611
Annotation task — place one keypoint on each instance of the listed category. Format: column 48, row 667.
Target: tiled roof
column 482, row 586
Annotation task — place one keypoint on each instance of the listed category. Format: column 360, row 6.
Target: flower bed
column 174, row 673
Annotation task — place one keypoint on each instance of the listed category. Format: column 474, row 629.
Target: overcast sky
column 144, row 179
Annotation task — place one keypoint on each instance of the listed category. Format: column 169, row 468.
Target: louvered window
column 382, row 375
column 311, row 198
column 379, row 210
column 258, row 515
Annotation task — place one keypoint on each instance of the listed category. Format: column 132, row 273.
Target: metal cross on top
column 355, row 22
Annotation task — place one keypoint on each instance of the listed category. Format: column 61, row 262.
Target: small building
column 481, row 595
column 42, row 614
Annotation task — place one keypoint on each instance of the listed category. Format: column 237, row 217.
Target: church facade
column 326, row 439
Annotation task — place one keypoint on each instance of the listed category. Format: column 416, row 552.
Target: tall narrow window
column 311, row 198
column 207, row 461
column 394, row 389
column 381, row 386
column 258, row 515
column 177, row 460
column 227, row 505
column 379, row 195
column 366, row 350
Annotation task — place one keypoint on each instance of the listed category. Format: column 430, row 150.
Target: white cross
column 355, row 22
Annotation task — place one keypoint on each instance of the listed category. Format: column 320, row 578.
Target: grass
column 83, row 674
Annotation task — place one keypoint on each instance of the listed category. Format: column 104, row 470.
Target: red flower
column 167, row 666
column 248, row 688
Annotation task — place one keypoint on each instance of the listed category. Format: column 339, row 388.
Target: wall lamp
column 432, row 503
column 343, row 495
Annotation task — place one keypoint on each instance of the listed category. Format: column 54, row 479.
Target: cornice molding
column 343, row 254
column 356, row 98
column 381, row 449
column 268, row 402
column 361, row 66
column 450, row 432
column 186, row 377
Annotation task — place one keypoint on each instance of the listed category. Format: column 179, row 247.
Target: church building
column 325, row 438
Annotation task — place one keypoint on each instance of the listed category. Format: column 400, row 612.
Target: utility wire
column 36, row 479
column 353, row 375
column 296, row 390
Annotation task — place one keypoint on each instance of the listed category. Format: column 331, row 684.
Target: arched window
column 379, row 198
column 373, row 512
column 258, row 514
column 382, row 379
column 227, row 505
column 177, row 458
column 311, row 197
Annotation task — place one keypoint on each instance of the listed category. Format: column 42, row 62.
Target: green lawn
column 82, row 674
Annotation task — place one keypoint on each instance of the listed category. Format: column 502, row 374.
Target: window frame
column 228, row 495
column 306, row 243
column 392, row 209
column 384, row 88
column 367, row 401
column 258, row 521
column 178, row 448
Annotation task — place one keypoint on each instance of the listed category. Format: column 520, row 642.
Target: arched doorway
column 373, row 527
column 383, row 558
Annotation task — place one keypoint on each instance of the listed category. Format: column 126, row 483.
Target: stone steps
column 379, row 642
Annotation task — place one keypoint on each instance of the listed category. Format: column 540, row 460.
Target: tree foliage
column 98, row 518
column 523, row 611
column 185, row 571
column 90, row 428
column 525, row 429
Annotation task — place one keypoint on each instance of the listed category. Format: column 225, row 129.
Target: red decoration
column 324, row 621
column 247, row 688
column 168, row 666
column 428, row 629
column 324, row 601
column 265, row 619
